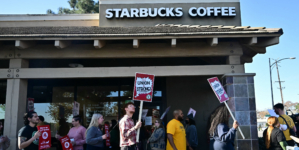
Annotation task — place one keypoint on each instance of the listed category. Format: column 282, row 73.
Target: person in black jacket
column 114, row 135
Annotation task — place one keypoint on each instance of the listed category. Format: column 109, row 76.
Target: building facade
column 91, row 59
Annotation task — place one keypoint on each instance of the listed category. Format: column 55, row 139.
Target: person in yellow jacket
column 285, row 119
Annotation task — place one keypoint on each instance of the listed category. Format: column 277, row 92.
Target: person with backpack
column 287, row 120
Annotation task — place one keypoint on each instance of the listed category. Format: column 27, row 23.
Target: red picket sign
column 66, row 143
column 108, row 135
column 218, row 89
column 143, row 87
column 45, row 138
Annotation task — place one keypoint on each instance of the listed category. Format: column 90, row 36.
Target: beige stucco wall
column 49, row 20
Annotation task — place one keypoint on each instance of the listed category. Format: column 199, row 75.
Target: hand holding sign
column 66, row 143
column 143, row 91
column 44, row 135
column 223, row 97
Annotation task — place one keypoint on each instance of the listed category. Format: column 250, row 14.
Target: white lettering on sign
column 143, row 86
column 169, row 12
column 217, row 88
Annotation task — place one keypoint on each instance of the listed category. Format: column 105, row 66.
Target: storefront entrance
column 54, row 99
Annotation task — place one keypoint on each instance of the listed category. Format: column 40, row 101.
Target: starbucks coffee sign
column 170, row 12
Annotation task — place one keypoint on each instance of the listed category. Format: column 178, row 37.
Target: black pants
column 291, row 143
column 132, row 147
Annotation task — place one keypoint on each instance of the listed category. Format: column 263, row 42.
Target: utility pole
column 279, row 83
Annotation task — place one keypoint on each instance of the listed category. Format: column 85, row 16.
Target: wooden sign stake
column 231, row 114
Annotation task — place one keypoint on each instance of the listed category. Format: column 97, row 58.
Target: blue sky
column 265, row 13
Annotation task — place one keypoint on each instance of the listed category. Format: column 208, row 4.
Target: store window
column 98, row 99
column 54, row 99
column 2, row 98
column 55, row 104
column 2, row 101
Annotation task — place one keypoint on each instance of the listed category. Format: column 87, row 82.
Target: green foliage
column 78, row 7
column 54, row 110
column 2, row 107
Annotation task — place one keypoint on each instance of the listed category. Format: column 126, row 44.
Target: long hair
column 28, row 115
column 219, row 115
column 94, row 122
column 161, row 125
column 272, row 121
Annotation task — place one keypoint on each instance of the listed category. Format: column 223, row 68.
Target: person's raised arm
column 22, row 143
column 170, row 139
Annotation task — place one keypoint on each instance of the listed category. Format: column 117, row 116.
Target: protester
column 157, row 140
column 176, row 134
column 41, row 121
column 114, row 135
column 76, row 134
column 4, row 140
column 222, row 137
column 285, row 119
column 103, row 131
column 273, row 136
column 28, row 135
column 94, row 135
column 191, row 133
column 128, row 129
column 297, row 124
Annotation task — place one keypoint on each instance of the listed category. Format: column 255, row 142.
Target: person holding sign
column 76, row 134
column 287, row 120
column 94, row 136
column 223, row 137
column 176, row 134
column 128, row 129
column 28, row 135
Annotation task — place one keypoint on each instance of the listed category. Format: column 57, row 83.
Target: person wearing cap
column 191, row 133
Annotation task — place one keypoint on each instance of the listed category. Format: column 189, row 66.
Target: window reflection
column 2, row 100
column 55, row 105
column 98, row 99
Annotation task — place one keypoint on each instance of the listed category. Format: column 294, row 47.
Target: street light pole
column 279, row 83
column 271, row 81
column 270, row 67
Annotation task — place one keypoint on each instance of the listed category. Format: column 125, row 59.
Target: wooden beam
column 173, row 42
column 246, row 59
column 62, row 44
column 121, row 50
column 99, row 44
column 250, row 41
column 234, row 60
column 269, row 41
column 213, row 41
column 136, row 43
column 256, row 49
column 110, row 72
column 24, row 44
column 6, row 73
column 7, row 53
